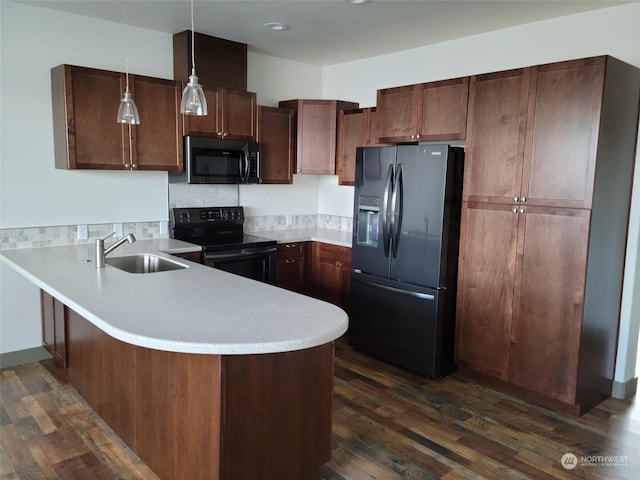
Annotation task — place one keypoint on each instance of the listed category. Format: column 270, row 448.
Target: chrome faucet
column 101, row 252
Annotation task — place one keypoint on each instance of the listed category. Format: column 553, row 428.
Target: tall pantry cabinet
column 549, row 166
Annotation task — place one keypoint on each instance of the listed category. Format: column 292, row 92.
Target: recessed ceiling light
column 277, row 26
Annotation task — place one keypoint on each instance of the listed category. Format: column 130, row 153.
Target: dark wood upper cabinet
column 219, row 62
column 85, row 105
column 87, row 135
column 276, row 135
column 563, row 123
column 423, row 112
column 356, row 128
column 316, row 122
column 157, row 143
column 496, row 136
column 532, row 134
column 231, row 114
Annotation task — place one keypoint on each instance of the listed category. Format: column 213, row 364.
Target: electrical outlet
column 83, row 232
column 118, row 228
column 289, row 220
column 164, row 228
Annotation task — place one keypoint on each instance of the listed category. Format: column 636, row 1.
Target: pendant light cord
column 193, row 45
column 126, row 45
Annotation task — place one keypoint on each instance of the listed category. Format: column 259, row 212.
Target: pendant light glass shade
column 193, row 99
column 128, row 112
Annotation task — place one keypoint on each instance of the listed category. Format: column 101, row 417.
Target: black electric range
column 220, row 232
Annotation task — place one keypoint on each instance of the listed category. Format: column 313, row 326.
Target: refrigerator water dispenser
column 368, row 220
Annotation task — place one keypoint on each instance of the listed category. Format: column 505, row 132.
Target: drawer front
column 291, row 249
column 329, row 253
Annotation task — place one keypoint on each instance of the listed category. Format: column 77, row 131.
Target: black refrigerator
column 406, row 231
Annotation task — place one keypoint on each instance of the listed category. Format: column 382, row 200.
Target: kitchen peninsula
column 204, row 374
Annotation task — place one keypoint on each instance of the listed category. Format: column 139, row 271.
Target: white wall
column 32, row 191
column 612, row 31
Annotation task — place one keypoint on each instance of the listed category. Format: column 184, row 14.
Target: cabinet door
column 399, row 111
column 276, row 135
column 54, row 328
column 549, row 294
column 562, row 133
column 158, row 139
column 85, row 106
column 496, row 136
column 353, row 130
column 292, row 266
column 316, row 137
column 207, row 125
column 444, row 110
column 486, row 276
column 331, row 273
column 239, row 115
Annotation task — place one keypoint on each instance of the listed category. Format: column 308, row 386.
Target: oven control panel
column 194, row 216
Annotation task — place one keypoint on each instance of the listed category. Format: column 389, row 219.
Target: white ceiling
column 325, row 32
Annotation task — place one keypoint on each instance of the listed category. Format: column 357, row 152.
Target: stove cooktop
column 215, row 228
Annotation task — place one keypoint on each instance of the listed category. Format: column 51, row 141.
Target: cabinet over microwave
column 214, row 160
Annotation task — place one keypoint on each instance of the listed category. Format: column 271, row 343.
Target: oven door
column 257, row 263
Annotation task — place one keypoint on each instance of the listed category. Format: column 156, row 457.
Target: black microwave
column 214, row 160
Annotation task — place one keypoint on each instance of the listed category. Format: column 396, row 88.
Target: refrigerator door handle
column 423, row 296
column 396, row 208
column 386, row 223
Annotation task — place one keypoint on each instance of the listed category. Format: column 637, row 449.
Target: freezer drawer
column 401, row 324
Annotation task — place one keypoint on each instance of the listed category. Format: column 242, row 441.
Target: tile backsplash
column 35, row 237
column 68, row 235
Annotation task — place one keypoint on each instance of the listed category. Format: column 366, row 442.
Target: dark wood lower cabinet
column 291, row 269
column 209, row 417
column 331, row 273
column 54, row 328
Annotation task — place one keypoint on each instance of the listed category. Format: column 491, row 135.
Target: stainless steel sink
column 143, row 263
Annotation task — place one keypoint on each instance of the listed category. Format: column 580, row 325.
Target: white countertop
column 326, row 235
column 194, row 310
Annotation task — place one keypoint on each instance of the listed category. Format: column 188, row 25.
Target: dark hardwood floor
column 388, row 424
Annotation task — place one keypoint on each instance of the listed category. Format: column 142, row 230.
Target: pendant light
column 128, row 112
column 193, row 99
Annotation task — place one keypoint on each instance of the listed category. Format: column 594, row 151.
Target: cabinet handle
column 515, row 210
column 523, row 199
column 516, row 199
column 225, row 135
column 290, row 245
column 220, row 134
column 126, row 165
column 290, row 260
column 522, row 210
column 134, row 165
column 339, row 264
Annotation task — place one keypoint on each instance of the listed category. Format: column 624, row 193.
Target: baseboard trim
column 624, row 390
column 19, row 357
